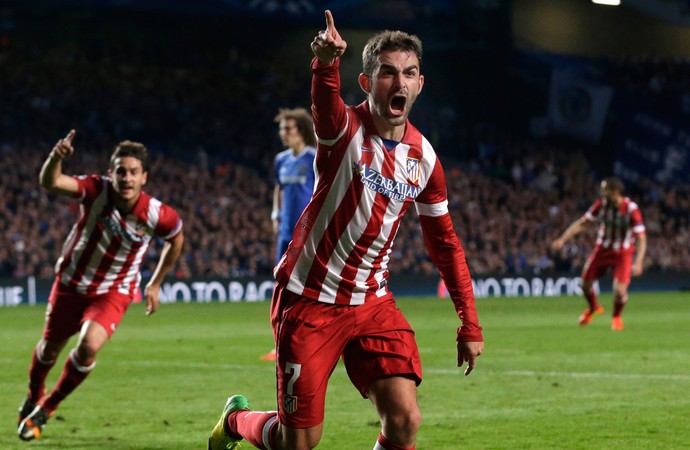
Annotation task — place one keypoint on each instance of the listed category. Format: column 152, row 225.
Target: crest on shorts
column 289, row 403
column 413, row 170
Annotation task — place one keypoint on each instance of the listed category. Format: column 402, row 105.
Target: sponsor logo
column 395, row 190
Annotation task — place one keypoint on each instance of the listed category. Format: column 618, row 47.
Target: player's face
column 289, row 134
column 128, row 177
column 395, row 85
column 606, row 192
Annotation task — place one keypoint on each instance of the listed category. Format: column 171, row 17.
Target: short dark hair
column 614, row 184
column 386, row 41
column 133, row 149
column 303, row 120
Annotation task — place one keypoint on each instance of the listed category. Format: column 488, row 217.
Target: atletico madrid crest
column 413, row 171
column 290, row 403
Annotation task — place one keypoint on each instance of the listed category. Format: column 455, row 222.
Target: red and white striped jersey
column 104, row 250
column 617, row 225
column 342, row 242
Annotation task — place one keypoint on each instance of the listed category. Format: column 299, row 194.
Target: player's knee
column 87, row 351
column 402, row 424
column 49, row 351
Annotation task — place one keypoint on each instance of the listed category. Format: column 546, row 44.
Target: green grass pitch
column 543, row 382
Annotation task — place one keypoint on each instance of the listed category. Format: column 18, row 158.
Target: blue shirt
column 295, row 176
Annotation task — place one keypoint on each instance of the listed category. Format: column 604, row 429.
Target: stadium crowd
column 209, row 128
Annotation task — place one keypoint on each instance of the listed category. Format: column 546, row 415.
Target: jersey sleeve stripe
column 432, row 210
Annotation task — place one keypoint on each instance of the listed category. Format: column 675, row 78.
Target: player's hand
column 64, row 148
column 468, row 352
column 328, row 45
column 637, row 269
column 151, row 294
column 557, row 244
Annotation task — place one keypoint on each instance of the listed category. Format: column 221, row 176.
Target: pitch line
column 458, row 371
column 532, row 373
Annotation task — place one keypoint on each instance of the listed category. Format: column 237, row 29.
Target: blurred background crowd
column 202, row 96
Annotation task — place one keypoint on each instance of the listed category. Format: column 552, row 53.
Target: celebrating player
column 621, row 230
column 97, row 274
column 332, row 295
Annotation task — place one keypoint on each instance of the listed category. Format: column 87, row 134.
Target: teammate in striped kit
column 97, row 274
column 332, row 297
column 621, row 231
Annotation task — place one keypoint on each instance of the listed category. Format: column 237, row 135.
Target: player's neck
column 125, row 206
column 387, row 131
column 297, row 149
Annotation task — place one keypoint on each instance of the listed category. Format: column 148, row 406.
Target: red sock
column 384, row 444
column 72, row 376
column 591, row 297
column 619, row 304
column 255, row 426
column 38, row 371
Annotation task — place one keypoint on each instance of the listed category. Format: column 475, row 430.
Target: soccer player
column 97, row 274
column 294, row 168
column 621, row 230
column 332, row 297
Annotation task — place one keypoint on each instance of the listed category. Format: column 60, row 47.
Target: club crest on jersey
column 413, row 170
column 393, row 189
column 290, row 404
column 124, row 232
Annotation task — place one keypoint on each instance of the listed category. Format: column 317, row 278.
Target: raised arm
column 51, row 176
column 328, row 109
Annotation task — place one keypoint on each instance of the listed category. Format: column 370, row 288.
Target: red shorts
column 600, row 261
column 67, row 310
column 374, row 339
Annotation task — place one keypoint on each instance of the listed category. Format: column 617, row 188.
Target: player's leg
column 79, row 364
column 395, row 399
column 383, row 363
column 63, row 316
column 621, row 280
column 100, row 317
column 592, row 270
column 303, row 364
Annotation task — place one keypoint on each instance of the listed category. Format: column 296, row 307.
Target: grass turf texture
column 543, row 382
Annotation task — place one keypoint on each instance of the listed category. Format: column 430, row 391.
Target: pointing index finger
column 70, row 136
column 330, row 23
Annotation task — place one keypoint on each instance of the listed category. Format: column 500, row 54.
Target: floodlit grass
column 543, row 382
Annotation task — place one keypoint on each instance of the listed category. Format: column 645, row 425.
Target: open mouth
column 397, row 105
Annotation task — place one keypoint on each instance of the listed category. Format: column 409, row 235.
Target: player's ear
column 365, row 82
column 144, row 178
